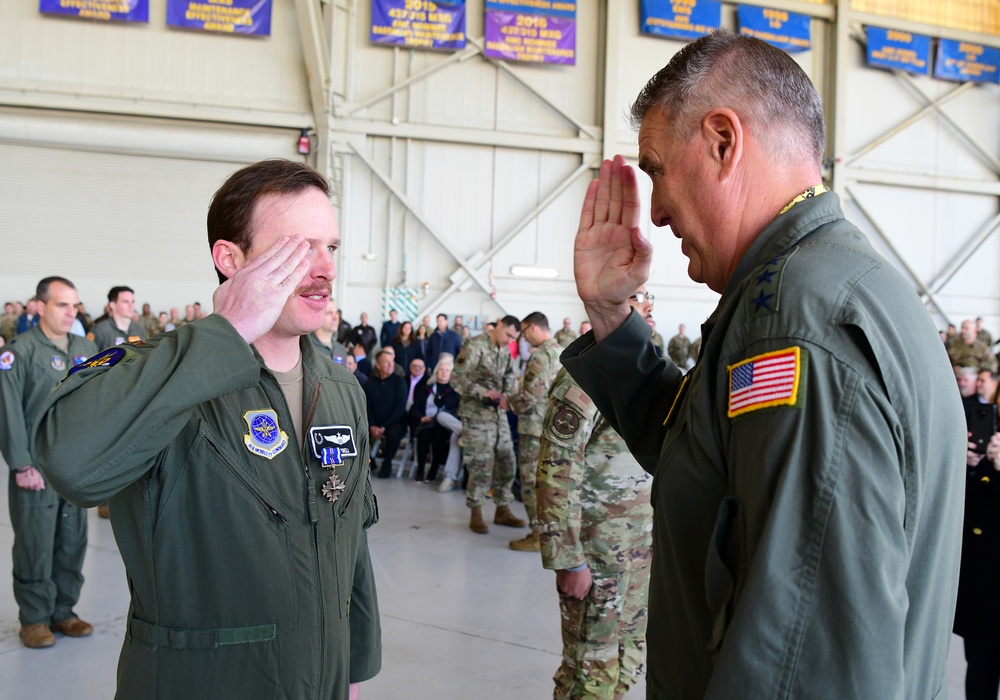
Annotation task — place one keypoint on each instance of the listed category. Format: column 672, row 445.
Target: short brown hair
column 230, row 216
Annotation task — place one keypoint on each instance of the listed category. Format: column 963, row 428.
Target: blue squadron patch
column 265, row 438
column 6, row 359
column 58, row 363
column 341, row 437
column 79, row 360
column 108, row 358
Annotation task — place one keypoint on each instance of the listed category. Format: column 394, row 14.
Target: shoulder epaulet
column 763, row 294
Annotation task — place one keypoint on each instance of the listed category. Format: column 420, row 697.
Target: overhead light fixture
column 525, row 271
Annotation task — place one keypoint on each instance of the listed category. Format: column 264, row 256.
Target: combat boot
column 505, row 517
column 528, row 543
column 476, row 522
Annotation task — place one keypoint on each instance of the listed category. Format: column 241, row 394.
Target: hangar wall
column 449, row 168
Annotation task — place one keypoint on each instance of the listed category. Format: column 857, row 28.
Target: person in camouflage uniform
column 678, row 348
column 483, row 377
column 529, row 403
column 968, row 351
column 596, row 523
column 566, row 335
column 983, row 334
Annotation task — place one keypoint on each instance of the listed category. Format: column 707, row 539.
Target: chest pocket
column 221, row 544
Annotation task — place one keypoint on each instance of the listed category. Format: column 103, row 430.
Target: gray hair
column 761, row 83
column 445, row 358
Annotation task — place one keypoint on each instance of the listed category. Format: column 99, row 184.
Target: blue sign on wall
column 894, row 48
column 680, row 19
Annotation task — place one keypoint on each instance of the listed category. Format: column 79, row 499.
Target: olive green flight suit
column 50, row 534
column 246, row 580
column 805, row 544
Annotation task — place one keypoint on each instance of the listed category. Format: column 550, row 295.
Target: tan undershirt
column 61, row 343
column 291, row 386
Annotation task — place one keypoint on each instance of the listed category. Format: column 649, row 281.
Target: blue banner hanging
column 894, row 48
column 963, row 60
column 680, row 19
column 786, row 30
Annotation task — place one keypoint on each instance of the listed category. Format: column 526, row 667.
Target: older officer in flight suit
column 236, row 461
column 807, row 472
column 50, row 534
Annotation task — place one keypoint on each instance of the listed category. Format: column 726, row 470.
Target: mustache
column 314, row 289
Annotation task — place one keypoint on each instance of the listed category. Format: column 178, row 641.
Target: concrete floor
column 462, row 615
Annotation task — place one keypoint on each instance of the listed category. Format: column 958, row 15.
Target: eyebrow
column 645, row 163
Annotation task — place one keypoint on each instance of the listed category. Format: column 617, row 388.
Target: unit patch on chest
column 265, row 438
column 6, row 359
column 338, row 439
column 58, row 363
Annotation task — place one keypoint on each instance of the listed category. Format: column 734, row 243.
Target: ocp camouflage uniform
column 529, row 403
column 983, row 336
column 489, row 451
column 564, row 337
column 976, row 355
column 594, row 510
column 678, row 348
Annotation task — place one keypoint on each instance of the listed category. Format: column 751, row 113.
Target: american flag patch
column 771, row 379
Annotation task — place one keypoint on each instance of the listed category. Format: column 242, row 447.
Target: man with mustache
column 235, row 458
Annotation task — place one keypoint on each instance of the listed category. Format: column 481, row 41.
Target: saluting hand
column 252, row 299
column 611, row 257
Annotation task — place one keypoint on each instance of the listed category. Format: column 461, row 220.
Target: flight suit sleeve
column 819, row 494
column 104, row 425
column 632, row 387
column 462, row 379
column 14, row 430
column 561, row 466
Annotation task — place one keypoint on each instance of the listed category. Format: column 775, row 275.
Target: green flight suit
column 106, row 334
column 246, row 581
column 807, row 546
column 50, row 534
column 335, row 352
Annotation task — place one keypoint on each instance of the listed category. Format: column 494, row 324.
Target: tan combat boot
column 526, row 544
column 505, row 517
column 476, row 522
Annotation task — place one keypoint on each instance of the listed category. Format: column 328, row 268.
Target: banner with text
column 225, row 16
column 419, row 24
column 963, row 60
column 101, row 10
column 786, row 30
column 680, row 19
column 899, row 50
column 533, row 31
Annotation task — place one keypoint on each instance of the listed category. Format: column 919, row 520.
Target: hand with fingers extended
column 611, row 257
column 252, row 299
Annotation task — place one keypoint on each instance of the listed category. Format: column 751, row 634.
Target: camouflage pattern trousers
column 604, row 645
column 489, row 457
column 528, row 447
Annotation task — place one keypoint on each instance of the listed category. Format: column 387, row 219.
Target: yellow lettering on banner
column 96, row 9
column 896, row 35
column 970, row 50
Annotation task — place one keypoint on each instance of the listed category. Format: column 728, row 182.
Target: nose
column 325, row 268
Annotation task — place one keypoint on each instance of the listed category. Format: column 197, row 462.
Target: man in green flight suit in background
column 235, row 458
column 808, row 472
column 50, row 533
column 118, row 327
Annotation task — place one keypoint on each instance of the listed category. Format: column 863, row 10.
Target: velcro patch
column 576, row 396
column 565, row 423
column 6, row 359
column 108, row 358
column 763, row 381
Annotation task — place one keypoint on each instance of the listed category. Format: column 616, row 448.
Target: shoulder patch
column 6, row 359
column 108, row 358
column 576, row 396
column 565, row 423
column 764, row 381
column 764, row 291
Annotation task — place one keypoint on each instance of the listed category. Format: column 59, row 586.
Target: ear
column 723, row 131
column 228, row 257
